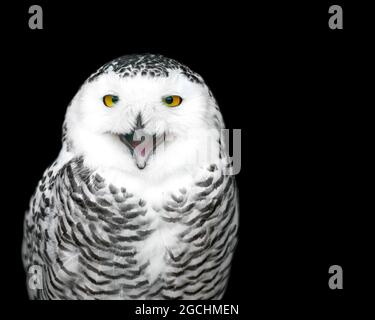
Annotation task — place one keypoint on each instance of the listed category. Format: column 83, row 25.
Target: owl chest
column 133, row 243
column 131, row 232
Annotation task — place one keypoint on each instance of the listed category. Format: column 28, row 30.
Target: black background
column 298, row 90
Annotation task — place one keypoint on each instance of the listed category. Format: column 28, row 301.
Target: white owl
column 138, row 204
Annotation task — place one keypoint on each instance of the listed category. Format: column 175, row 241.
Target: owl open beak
column 141, row 145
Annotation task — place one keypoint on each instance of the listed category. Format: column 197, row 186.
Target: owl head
column 142, row 113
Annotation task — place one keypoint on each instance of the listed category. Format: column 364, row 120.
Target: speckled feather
column 152, row 65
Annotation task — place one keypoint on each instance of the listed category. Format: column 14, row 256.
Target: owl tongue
column 143, row 146
column 141, row 149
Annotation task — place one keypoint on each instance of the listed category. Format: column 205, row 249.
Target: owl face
column 143, row 121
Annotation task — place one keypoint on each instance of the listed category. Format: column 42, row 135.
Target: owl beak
column 141, row 145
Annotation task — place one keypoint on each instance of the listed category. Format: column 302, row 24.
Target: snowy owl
column 138, row 204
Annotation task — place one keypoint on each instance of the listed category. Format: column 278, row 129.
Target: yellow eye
column 109, row 100
column 172, row 101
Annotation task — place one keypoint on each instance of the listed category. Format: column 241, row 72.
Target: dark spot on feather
column 103, row 202
column 205, row 183
column 113, row 189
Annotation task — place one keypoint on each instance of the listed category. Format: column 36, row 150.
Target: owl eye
column 172, row 101
column 109, row 100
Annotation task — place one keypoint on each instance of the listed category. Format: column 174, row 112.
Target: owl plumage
column 114, row 219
